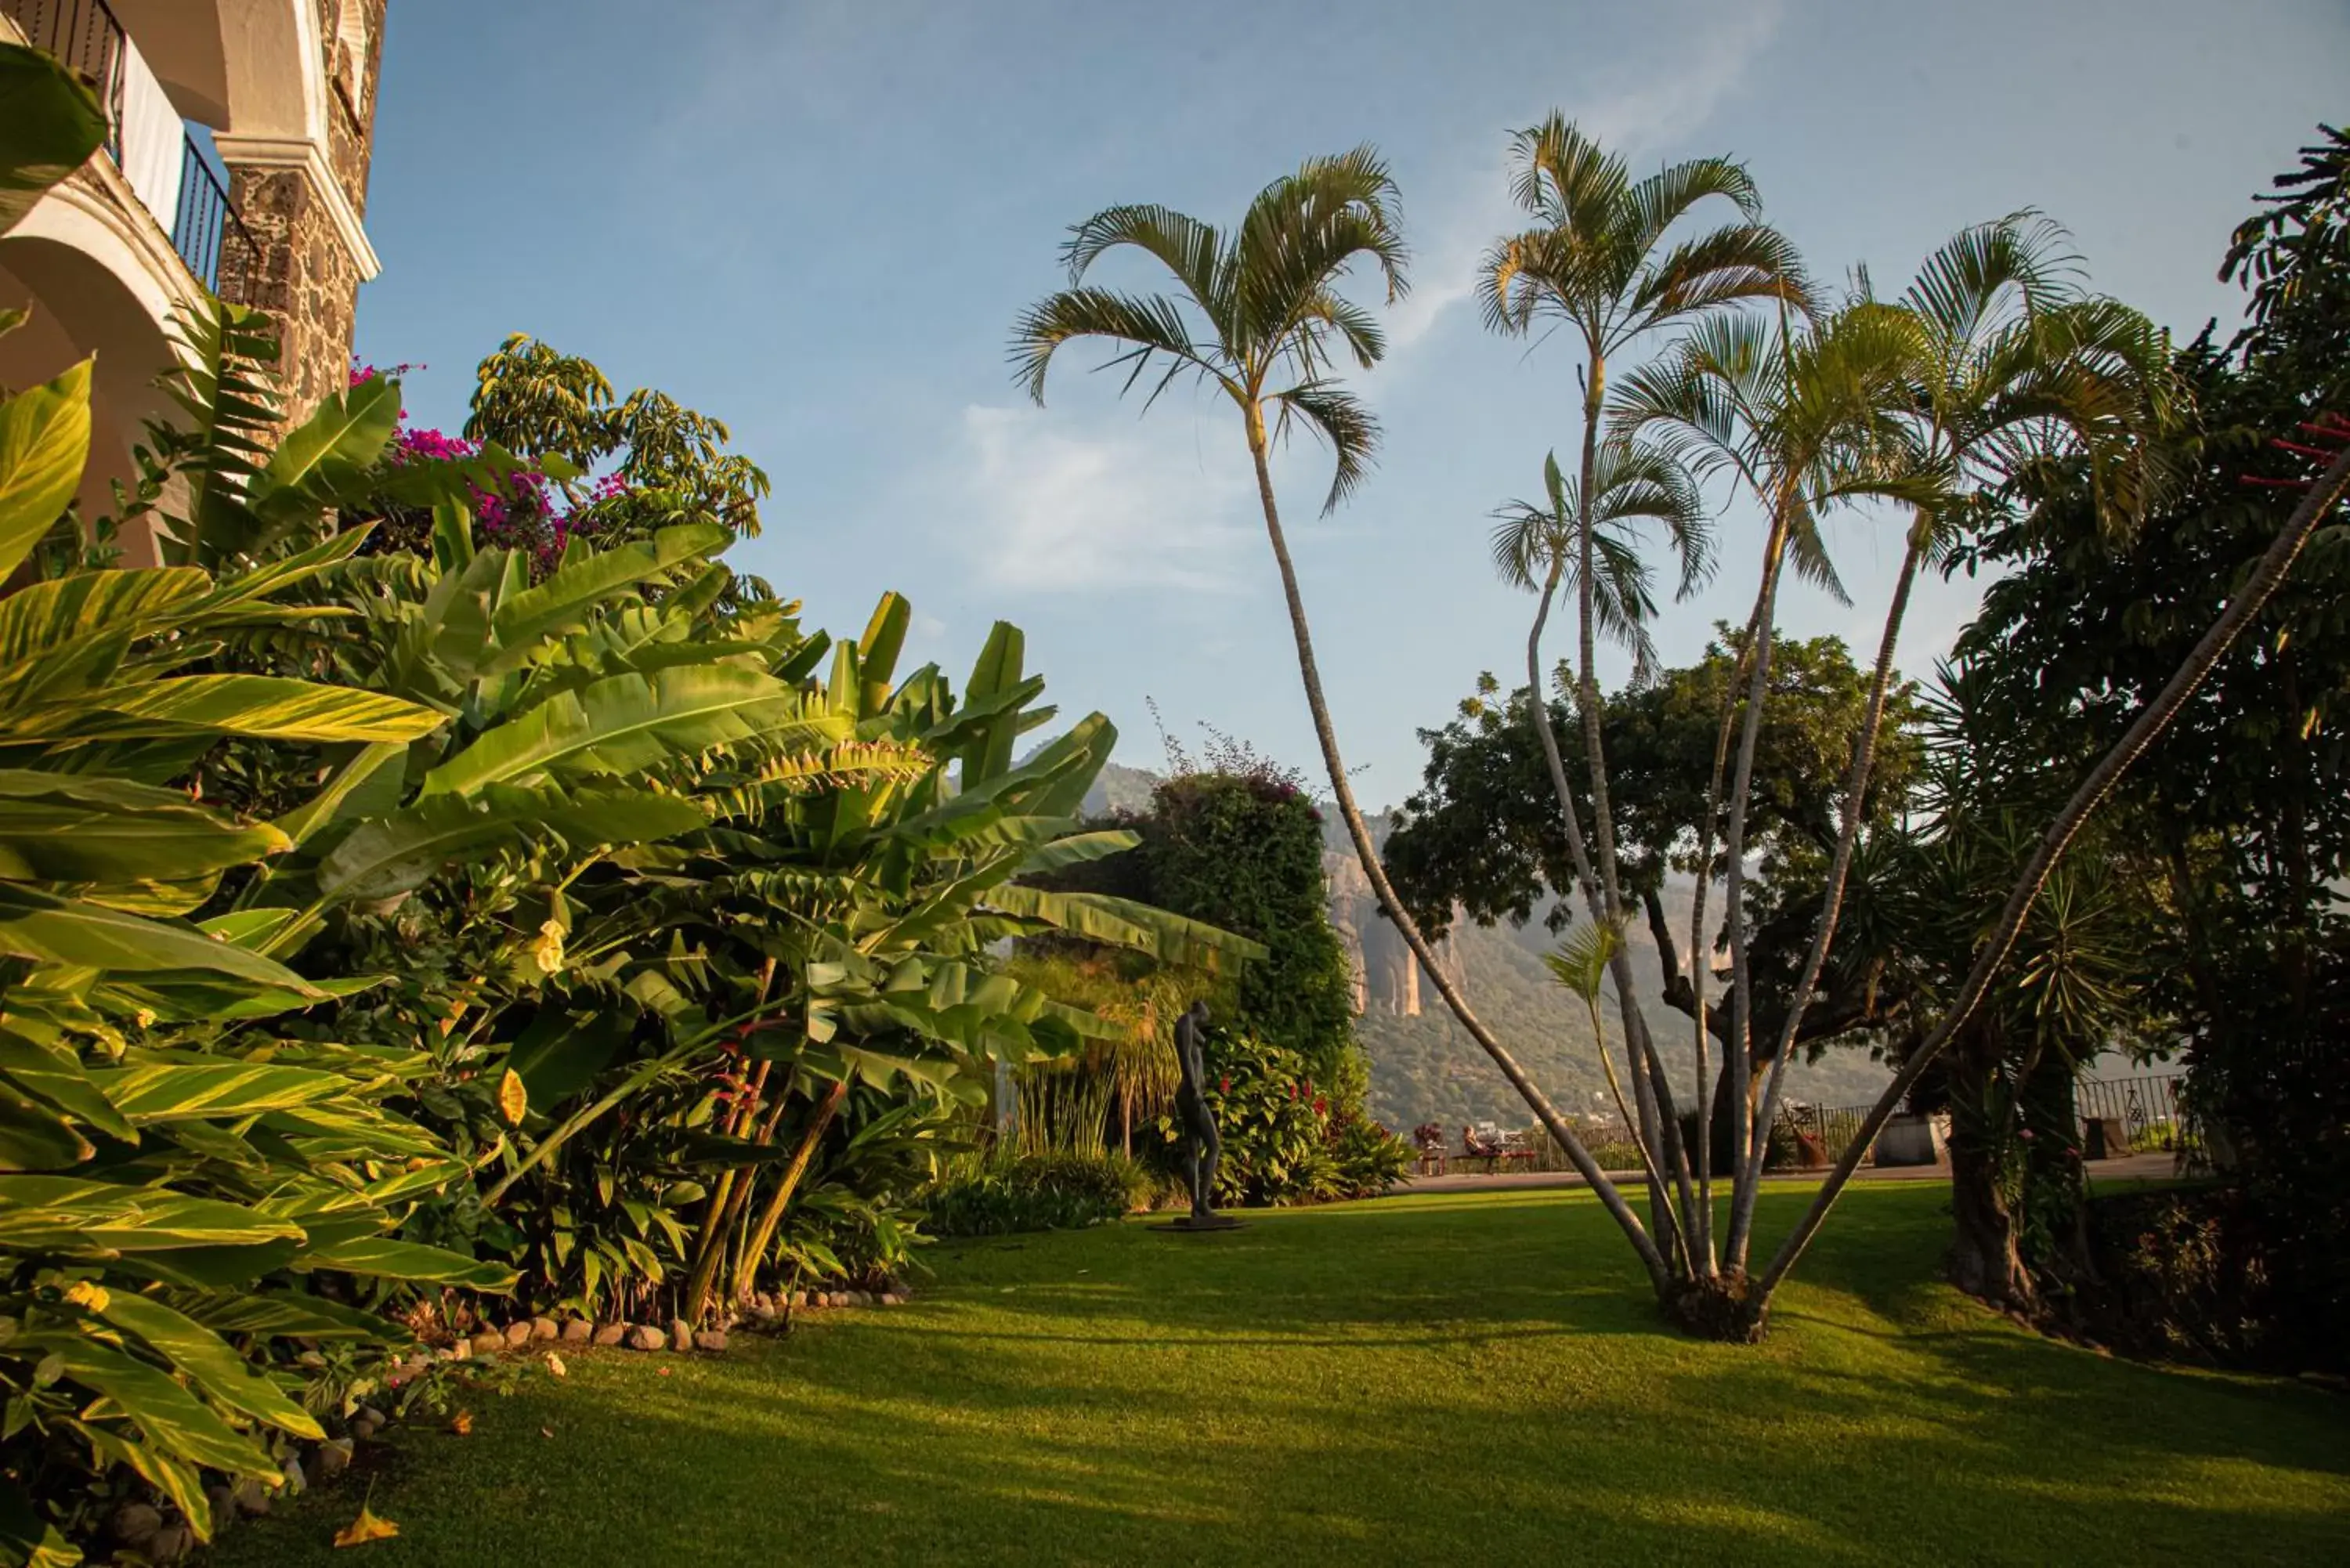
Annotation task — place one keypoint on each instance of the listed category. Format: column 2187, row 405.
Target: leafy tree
column 1482, row 833
column 2237, row 801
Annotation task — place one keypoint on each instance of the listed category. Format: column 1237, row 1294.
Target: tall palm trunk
column 1701, row 949
column 1643, row 1129
column 2323, row 495
column 1749, row 1181
column 1733, row 848
column 1660, row 1120
column 1659, row 1270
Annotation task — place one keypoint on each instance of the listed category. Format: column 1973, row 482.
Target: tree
column 1593, row 263
column 1254, row 314
column 1483, row 832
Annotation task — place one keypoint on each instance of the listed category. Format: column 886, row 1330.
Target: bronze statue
column 1203, row 1145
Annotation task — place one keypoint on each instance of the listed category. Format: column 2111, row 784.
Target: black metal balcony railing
column 87, row 40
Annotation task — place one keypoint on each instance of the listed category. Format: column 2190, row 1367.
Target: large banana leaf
column 176, row 1091
column 72, row 632
column 395, row 854
column 171, row 1418
column 630, row 723
column 531, row 619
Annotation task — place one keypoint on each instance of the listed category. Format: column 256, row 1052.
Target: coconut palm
column 1257, row 315
column 1597, row 262
column 2015, row 367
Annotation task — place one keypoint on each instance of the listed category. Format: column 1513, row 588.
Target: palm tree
column 2016, row 366
column 1806, row 416
column 1597, row 262
column 1256, row 314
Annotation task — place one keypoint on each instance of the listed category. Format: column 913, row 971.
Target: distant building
column 239, row 137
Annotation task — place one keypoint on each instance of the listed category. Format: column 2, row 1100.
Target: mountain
column 1424, row 1065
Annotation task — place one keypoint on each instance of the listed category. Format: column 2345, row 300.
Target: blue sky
column 817, row 222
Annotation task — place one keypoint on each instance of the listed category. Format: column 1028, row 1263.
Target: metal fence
column 87, row 41
column 2151, row 1117
column 206, row 231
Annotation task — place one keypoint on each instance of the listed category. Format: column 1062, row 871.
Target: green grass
column 1446, row 1381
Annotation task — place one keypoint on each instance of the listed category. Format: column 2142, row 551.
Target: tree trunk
column 2323, row 495
column 1986, row 1259
column 746, row 1267
column 1749, row 1183
column 1343, row 793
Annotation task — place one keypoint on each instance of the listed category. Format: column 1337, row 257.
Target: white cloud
column 1059, row 505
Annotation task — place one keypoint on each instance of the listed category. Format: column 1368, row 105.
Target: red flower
column 1225, row 1085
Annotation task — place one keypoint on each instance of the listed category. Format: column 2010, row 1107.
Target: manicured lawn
column 1471, row 1379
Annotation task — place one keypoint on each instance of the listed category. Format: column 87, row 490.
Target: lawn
column 1467, row 1379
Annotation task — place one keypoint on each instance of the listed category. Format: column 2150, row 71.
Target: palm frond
column 1339, row 418
column 1149, row 325
column 1580, row 962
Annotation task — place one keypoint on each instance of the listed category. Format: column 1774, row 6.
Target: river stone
column 543, row 1328
column 363, row 1430
column 680, row 1334
column 711, row 1339
column 334, row 1458
column 610, row 1333
column 250, row 1497
column 167, row 1545
column 134, row 1523
column 489, row 1341
column 797, row 1298
column 579, row 1331
column 645, row 1336
column 224, row 1505
column 519, row 1332
column 294, row 1480
column 370, row 1413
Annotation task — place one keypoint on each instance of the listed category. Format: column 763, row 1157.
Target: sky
column 818, row 221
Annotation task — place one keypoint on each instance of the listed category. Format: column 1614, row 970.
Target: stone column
column 302, row 201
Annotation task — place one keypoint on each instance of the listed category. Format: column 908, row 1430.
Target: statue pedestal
column 1213, row 1223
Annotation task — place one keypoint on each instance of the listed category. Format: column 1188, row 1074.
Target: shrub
column 1283, row 1141
column 1039, row 1192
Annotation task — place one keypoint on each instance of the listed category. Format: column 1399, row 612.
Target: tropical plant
column 185, row 1198
column 1254, row 315
column 1597, row 262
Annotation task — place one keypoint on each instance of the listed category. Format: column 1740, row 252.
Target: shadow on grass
column 1480, row 1376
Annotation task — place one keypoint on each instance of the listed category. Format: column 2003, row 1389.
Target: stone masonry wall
column 300, row 271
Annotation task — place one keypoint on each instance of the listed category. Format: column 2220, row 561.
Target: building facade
column 239, row 136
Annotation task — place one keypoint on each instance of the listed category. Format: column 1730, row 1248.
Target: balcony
column 166, row 168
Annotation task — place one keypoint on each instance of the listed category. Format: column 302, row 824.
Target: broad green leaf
column 329, row 455
column 154, row 1093
column 375, row 765
column 171, row 1418
column 62, row 636
column 285, row 1315
column 1121, row 923
column 184, row 996
column 630, row 723
column 208, row 1360
column 265, row 707
column 51, row 1072
column 395, row 854
column 36, row 925
column 58, row 828
column 53, row 125
column 410, row 1262
column 44, row 441
column 34, row 1136
column 176, row 1478
column 102, row 1218
column 528, row 619
column 28, row 1538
